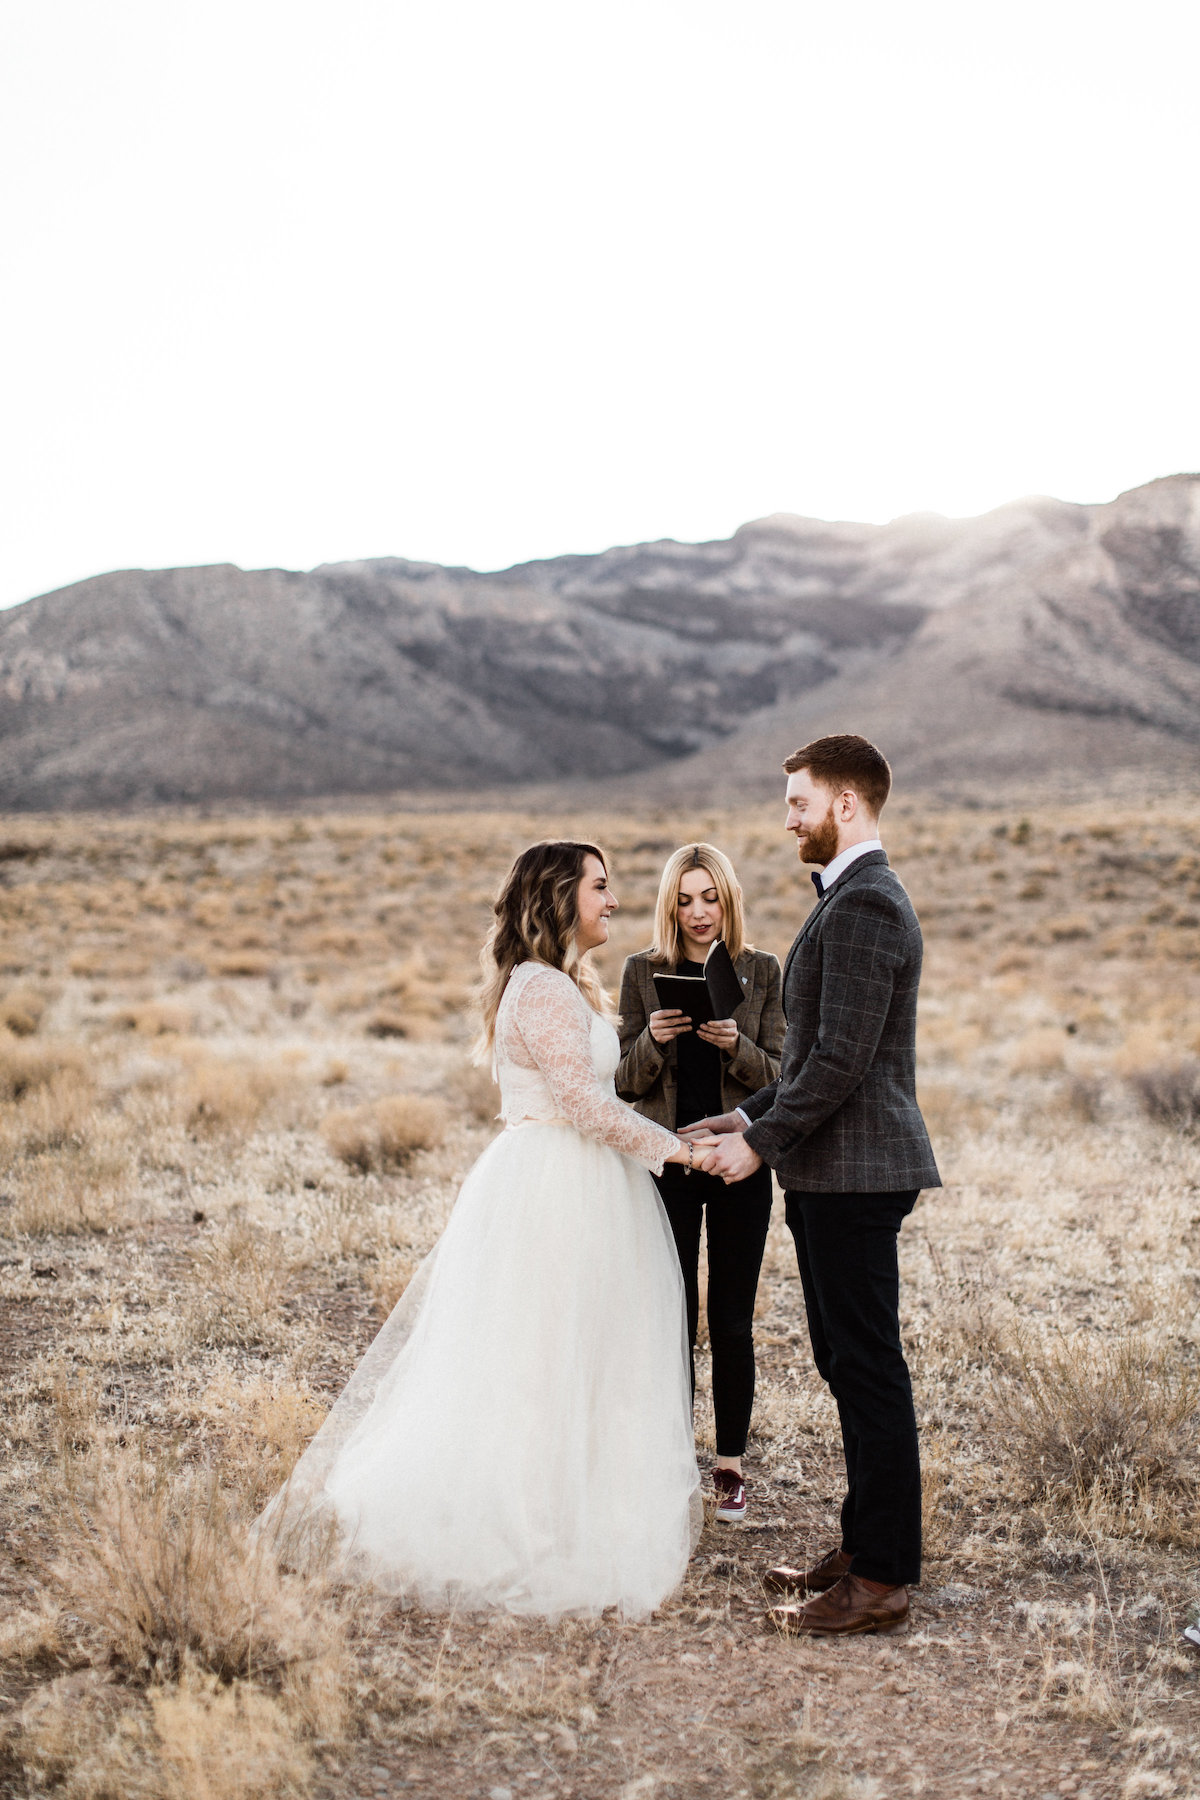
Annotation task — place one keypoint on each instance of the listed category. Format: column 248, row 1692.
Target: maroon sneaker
column 730, row 1492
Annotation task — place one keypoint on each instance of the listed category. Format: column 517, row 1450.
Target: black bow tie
column 817, row 883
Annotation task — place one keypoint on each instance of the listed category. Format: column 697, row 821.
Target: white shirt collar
column 841, row 863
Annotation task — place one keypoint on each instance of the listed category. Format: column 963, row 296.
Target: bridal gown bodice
column 556, row 1059
column 519, row 1434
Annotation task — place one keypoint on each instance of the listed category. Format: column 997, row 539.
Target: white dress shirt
column 829, row 875
column 842, row 861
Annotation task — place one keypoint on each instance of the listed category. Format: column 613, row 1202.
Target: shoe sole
column 728, row 1517
column 790, row 1630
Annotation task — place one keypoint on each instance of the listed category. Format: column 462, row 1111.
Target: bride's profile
column 519, row 1434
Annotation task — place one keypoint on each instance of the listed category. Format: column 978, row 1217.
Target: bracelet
column 691, row 1158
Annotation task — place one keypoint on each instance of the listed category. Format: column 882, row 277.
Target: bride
column 519, row 1434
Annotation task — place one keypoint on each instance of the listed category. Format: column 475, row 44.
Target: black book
column 713, row 995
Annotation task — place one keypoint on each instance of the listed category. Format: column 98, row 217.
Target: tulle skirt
column 519, row 1435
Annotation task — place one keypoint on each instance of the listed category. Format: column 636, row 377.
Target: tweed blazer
column 843, row 1115
column 647, row 1074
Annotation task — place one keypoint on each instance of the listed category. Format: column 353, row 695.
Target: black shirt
column 698, row 1095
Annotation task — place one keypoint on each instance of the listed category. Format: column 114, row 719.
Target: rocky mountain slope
column 974, row 648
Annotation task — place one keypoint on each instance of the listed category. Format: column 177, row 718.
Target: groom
column 842, row 1130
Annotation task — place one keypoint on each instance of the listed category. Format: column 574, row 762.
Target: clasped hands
column 722, row 1146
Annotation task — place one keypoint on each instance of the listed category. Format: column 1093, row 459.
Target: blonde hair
column 666, row 945
column 536, row 918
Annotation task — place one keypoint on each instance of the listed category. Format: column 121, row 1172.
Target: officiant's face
column 810, row 817
column 596, row 903
column 698, row 909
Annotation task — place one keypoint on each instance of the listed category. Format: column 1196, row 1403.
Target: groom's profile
column 842, row 1130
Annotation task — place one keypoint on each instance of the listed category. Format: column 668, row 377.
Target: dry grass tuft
column 386, row 1134
column 25, row 1067
column 227, row 1097
column 1170, row 1092
column 161, row 1018
column 473, row 1094
column 89, row 1739
column 1039, row 1052
column 252, row 964
column 388, row 1276
column 1079, row 1677
column 21, row 1011
column 1116, row 1421
column 80, row 1189
column 228, row 1743
column 244, row 1272
column 166, row 1581
column 266, row 1425
column 79, row 1736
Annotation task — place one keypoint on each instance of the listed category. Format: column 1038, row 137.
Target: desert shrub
column 21, row 1011
column 78, row 1189
column 391, row 1022
column 225, row 1096
column 156, row 1019
column 90, row 1739
column 1117, row 1419
column 387, row 1276
column 25, row 1067
column 412, row 998
column 1169, row 1092
column 265, row 1426
column 79, row 1737
column 1039, row 1052
column 385, row 1134
column 101, row 962
column 53, row 1107
column 1083, row 1097
column 165, row 1581
column 244, row 1273
column 1069, row 928
column 473, row 1094
column 1080, row 1677
column 250, row 963
column 228, row 1743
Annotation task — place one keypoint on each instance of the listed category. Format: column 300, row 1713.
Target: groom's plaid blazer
column 843, row 1115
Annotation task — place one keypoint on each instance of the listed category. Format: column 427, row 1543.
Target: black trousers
column 736, row 1220
column 846, row 1249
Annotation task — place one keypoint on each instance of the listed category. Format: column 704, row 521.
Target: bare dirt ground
column 235, row 1105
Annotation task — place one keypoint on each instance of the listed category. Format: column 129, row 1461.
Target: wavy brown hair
column 536, row 918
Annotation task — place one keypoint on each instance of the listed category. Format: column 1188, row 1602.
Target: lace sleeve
column 554, row 1023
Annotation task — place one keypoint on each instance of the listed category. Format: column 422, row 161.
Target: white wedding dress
column 519, row 1435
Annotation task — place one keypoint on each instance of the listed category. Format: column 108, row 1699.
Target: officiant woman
column 676, row 1073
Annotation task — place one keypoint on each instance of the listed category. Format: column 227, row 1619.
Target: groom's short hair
column 846, row 761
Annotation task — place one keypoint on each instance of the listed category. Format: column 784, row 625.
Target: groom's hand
column 717, row 1126
column 732, row 1159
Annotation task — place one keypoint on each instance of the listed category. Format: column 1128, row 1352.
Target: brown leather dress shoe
column 822, row 1576
column 850, row 1606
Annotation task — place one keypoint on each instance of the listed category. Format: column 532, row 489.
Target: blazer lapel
column 872, row 859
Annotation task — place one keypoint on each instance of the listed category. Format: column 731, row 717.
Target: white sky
column 481, row 280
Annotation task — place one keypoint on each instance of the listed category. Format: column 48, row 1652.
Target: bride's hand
column 703, row 1151
column 690, row 1153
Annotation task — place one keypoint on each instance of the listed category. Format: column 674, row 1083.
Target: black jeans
column 846, row 1249
column 736, row 1220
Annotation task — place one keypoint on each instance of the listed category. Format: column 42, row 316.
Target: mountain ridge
column 1043, row 629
